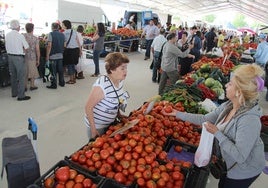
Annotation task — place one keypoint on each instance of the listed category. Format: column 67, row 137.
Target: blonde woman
column 236, row 126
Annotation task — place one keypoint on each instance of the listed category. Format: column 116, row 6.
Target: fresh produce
column 67, row 177
column 126, row 32
column 132, row 157
column 220, row 63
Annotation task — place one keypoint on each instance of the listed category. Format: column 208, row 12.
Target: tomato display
column 65, row 177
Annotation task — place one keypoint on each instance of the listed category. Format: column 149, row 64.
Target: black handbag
column 217, row 166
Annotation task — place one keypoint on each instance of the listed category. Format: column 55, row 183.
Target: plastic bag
column 208, row 105
column 203, row 152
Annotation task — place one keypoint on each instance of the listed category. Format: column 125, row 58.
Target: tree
column 239, row 21
column 209, row 18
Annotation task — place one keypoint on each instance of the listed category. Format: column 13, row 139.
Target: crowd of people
column 190, row 44
column 63, row 51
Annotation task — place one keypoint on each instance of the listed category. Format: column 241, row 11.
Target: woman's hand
column 172, row 113
column 211, row 127
column 94, row 133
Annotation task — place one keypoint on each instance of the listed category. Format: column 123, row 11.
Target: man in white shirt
column 156, row 49
column 15, row 46
column 150, row 31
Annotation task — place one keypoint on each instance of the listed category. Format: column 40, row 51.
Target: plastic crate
column 78, row 165
column 40, row 181
column 197, row 177
column 187, row 153
column 111, row 183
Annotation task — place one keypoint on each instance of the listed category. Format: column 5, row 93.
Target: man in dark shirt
column 210, row 38
column 54, row 55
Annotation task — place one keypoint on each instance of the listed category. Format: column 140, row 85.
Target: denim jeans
column 155, row 71
column 148, row 47
column 56, row 65
column 96, row 57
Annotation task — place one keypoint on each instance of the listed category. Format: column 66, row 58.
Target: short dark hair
column 185, row 33
column 29, row 27
column 162, row 31
column 80, row 29
column 194, row 27
column 55, row 26
column 67, row 24
column 114, row 60
column 171, row 36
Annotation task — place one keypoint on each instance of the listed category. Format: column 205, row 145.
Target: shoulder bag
column 158, row 63
column 217, row 165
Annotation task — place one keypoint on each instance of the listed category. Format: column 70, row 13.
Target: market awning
column 256, row 9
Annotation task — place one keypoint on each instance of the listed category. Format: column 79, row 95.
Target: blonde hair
column 244, row 78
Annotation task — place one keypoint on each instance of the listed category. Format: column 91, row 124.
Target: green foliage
column 209, row 18
column 239, row 21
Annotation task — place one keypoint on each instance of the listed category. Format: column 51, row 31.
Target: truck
column 81, row 13
column 141, row 18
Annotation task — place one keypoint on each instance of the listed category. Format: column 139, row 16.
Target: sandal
column 94, row 75
column 70, row 82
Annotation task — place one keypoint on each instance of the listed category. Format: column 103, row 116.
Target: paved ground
column 59, row 113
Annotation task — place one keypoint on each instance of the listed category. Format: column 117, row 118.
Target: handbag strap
column 114, row 89
column 69, row 38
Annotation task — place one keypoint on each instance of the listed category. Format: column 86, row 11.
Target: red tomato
column 78, row 185
column 75, row 156
column 82, row 159
column 73, row 173
column 104, row 154
column 150, row 184
column 147, row 174
column 96, row 157
column 87, row 183
column 119, row 177
column 162, row 155
column 62, row 174
column 98, row 142
column 79, row 178
column 69, row 184
column 119, row 155
column 141, row 182
column 111, row 160
column 168, row 109
column 49, row 182
column 161, row 183
column 178, row 148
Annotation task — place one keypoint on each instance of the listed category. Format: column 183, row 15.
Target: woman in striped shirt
column 107, row 95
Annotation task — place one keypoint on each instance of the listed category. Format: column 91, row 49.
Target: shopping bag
column 203, row 152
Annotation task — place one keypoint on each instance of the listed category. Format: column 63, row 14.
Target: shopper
column 107, row 95
column 236, row 126
column 210, row 39
column 16, row 45
column 32, row 56
column 79, row 67
column 72, row 50
column 185, row 62
column 150, row 31
column 156, row 49
column 54, row 54
column 169, row 63
column 261, row 57
column 197, row 45
column 98, row 40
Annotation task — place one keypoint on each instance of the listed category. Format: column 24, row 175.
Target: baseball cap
column 262, row 36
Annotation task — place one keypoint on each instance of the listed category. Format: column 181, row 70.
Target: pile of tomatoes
column 66, row 177
column 137, row 155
